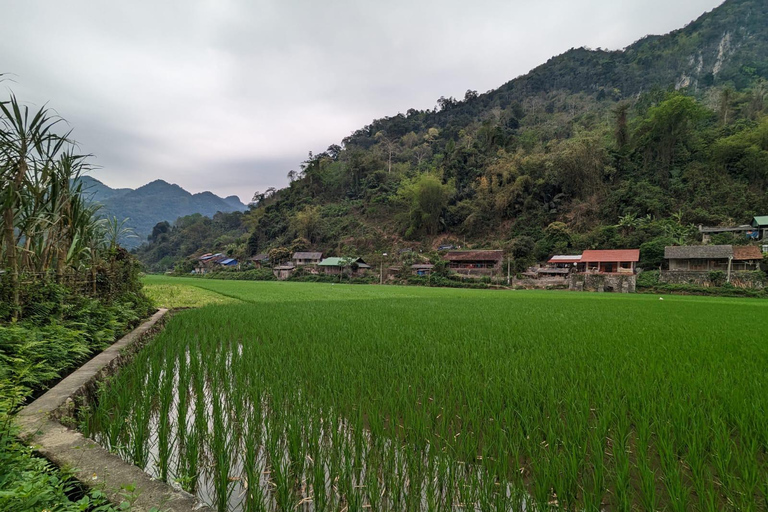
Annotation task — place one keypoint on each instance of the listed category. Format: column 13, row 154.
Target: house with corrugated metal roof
column 336, row 266
column 755, row 230
column 422, row 269
column 307, row 258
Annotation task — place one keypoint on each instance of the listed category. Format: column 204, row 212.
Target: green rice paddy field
column 291, row 396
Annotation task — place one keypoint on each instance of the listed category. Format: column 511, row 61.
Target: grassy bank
column 57, row 332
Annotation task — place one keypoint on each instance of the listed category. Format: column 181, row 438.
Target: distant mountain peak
column 154, row 202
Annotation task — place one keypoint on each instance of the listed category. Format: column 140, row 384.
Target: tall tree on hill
column 426, row 197
column 669, row 131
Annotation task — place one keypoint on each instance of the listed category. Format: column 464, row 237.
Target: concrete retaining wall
column 617, row 283
column 95, row 467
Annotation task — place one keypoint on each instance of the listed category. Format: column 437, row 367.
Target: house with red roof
column 614, row 261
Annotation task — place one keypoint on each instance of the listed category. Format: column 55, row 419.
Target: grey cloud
column 229, row 95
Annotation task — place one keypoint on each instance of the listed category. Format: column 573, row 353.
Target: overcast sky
column 230, row 95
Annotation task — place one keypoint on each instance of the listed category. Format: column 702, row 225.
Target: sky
column 230, row 95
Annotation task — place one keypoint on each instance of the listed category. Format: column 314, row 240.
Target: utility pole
column 381, row 269
column 509, row 271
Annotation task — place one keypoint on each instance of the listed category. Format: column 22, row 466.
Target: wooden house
column 620, row 261
column 260, row 260
column 705, row 258
column 475, row 262
column 759, row 228
column 422, row 269
column 756, row 230
column 335, row 266
column 307, row 258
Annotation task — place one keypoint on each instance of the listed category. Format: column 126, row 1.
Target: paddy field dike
column 297, row 396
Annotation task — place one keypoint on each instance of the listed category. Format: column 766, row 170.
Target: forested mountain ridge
column 152, row 203
column 592, row 149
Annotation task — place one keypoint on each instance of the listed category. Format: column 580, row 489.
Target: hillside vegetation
column 594, row 149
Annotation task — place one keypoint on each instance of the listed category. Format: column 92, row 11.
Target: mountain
column 154, row 202
column 98, row 192
column 593, row 149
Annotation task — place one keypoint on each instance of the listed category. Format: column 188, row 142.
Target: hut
column 422, row 269
column 283, row 271
column 260, row 260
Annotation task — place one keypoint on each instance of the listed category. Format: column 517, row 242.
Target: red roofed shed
column 622, row 261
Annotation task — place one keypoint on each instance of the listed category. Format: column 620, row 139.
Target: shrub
column 716, row 277
column 648, row 278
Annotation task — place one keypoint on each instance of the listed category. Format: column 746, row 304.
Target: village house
column 335, row 266
column 558, row 266
column 475, row 262
column 621, row 261
column 705, row 258
column 756, row 230
column 208, row 262
column 422, row 269
column 307, row 258
column 260, row 260
column 283, row 271
column 229, row 262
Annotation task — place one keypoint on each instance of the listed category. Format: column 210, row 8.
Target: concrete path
column 92, row 465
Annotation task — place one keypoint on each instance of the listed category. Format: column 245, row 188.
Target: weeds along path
column 319, row 397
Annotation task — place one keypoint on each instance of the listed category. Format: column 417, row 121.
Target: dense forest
column 594, row 149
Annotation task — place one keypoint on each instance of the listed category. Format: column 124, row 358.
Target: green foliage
column 652, row 252
column 426, row 198
column 716, row 277
column 259, row 274
column 648, row 279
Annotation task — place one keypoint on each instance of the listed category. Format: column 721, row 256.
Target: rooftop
column 688, row 252
column 616, row 255
column 475, row 256
column 747, row 252
column 562, row 258
column 343, row 262
column 307, row 255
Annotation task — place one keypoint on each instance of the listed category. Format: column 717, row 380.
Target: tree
column 306, row 223
column 159, row 229
column 669, row 131
column 426, row 197
column 389, row 146
column 622, row 129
